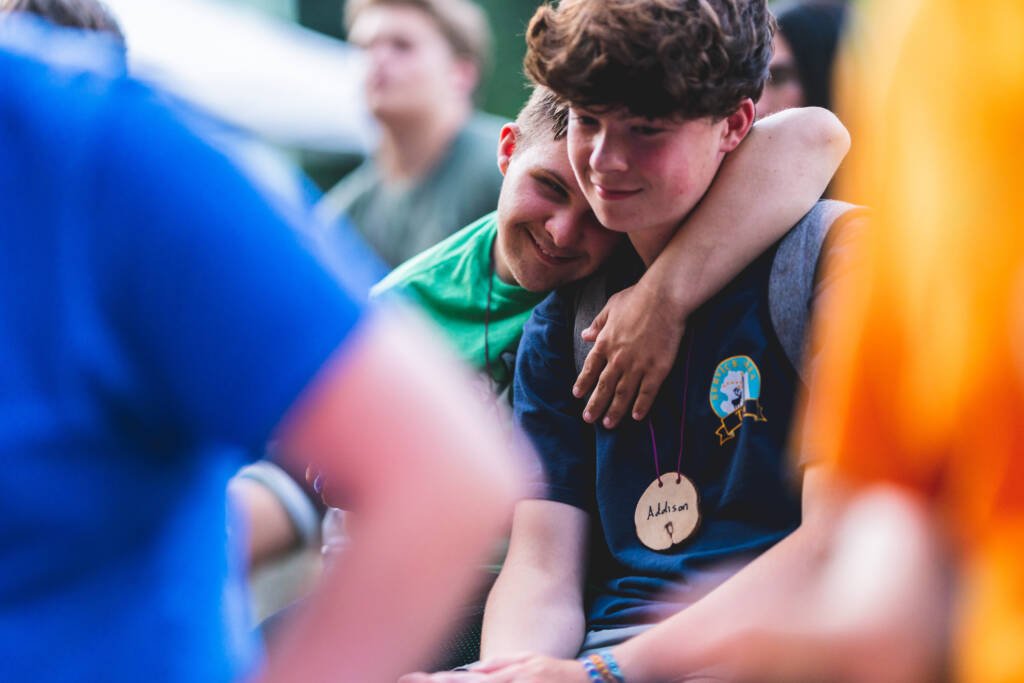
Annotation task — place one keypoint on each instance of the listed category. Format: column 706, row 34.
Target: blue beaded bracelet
column 591, row 670
column 613, row 666
column 601, row 667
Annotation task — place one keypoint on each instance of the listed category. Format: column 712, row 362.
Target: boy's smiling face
column 641, row 174
column 547, row 234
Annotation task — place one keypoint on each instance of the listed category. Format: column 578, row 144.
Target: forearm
column 431, row 496
column 696, row 637
column 373, row 599
column 536, row 604
column 844, row 619
column 282, row 514
column 527, row 613
column 762, row 188
column 689, row 641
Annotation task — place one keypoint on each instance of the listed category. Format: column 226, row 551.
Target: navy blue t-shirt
column 738, row 393
column 156, row 320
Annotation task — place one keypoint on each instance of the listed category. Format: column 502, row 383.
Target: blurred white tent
column 289, row 85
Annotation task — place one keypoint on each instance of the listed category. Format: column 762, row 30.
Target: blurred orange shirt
column 923, row 361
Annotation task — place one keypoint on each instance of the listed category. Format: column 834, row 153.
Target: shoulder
column 337, row 200
column 797, row 259
column 66, row 51
column 471, row 242
column 63, row 111
column 797, row 267
column 559, row 306
column 547, row 333
column 105, row 140
column 807, row 237
column 843, row 231
column 544, row 361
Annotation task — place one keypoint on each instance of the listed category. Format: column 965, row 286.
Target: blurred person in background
column 804, row 55
column 158, row 318
column 923, row 370
column 433, row 171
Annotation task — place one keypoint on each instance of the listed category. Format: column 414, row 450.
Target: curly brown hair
column 656, row 58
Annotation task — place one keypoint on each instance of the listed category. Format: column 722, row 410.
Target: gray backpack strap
column 591, row 297
column 795, row 273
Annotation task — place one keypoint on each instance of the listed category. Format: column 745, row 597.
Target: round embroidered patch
column 735, row 394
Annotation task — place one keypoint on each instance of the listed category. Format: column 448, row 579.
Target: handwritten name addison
column 664, row 509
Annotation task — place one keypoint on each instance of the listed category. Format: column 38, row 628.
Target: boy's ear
column 507, row 142
column 737, row 125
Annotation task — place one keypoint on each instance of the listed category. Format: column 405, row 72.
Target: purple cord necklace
column 487, row 318
column 682, row 422
column 668, row 514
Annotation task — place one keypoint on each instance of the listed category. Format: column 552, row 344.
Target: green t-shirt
column 450, row 280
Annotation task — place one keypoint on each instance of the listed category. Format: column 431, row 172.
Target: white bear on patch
column 734, row 386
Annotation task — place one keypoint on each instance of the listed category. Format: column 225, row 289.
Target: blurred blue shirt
column 157, row 318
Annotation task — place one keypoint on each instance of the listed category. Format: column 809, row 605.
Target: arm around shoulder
column 764, row 186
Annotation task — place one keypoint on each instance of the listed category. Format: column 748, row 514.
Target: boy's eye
column 552, row 187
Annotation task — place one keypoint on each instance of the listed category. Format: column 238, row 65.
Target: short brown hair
column 463, row 24
column 545, row 116
column 686, row 58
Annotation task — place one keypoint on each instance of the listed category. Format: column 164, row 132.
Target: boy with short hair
column 432, row 171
